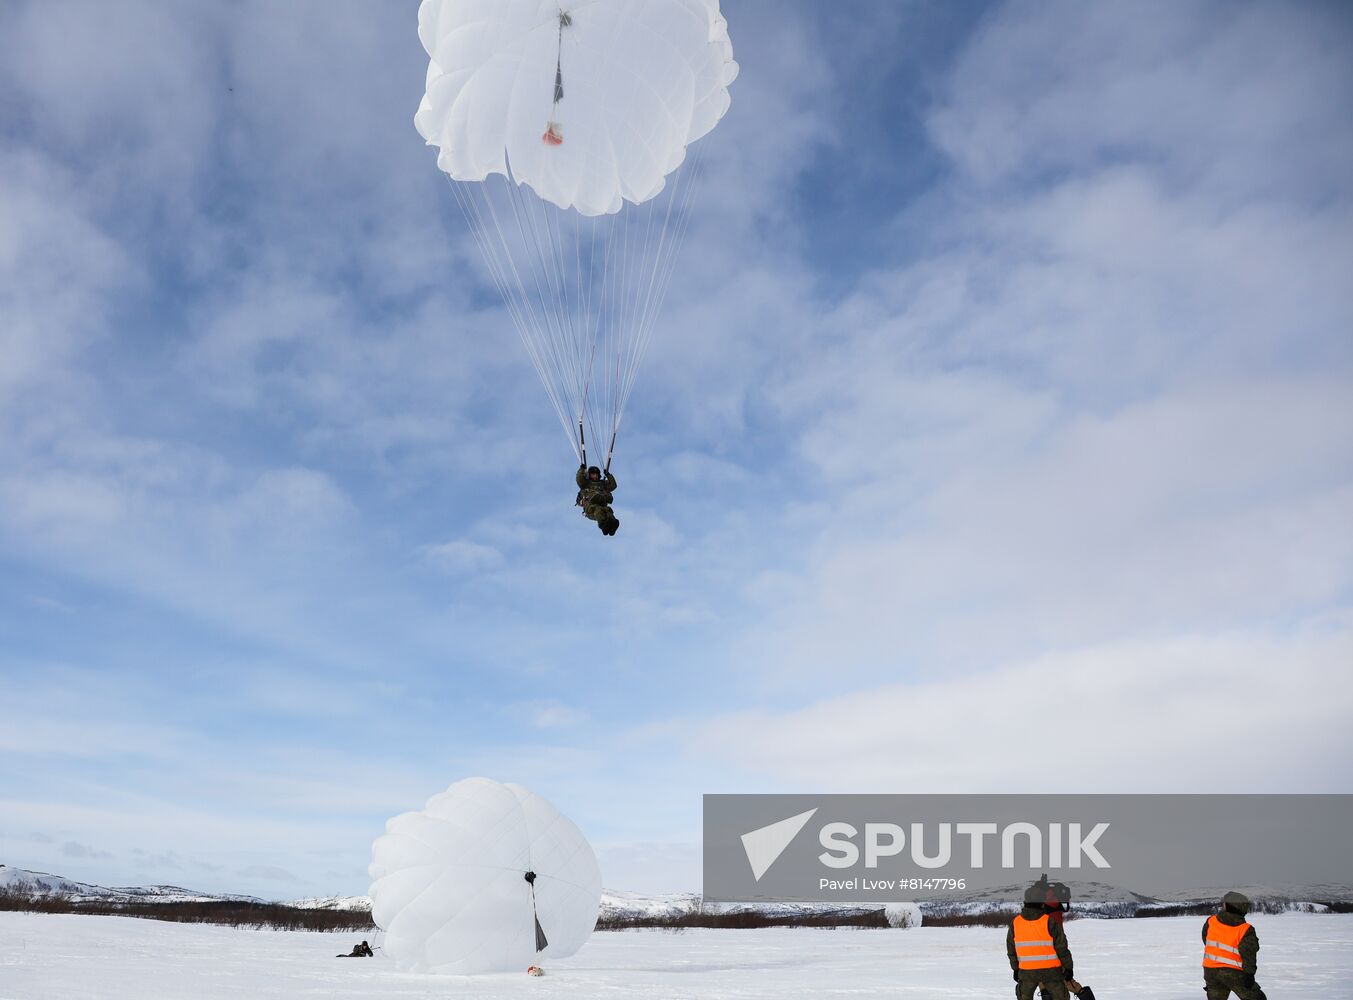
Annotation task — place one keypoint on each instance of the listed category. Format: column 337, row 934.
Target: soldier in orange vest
column 1037, row 948
column 1231, row 952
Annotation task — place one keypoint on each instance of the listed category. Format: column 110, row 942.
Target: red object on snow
column 552, row 136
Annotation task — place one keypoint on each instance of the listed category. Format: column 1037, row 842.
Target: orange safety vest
column 1222, row 947
column 1033, row 944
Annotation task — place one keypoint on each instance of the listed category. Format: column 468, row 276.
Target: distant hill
column 22, row 881
column 41, row 890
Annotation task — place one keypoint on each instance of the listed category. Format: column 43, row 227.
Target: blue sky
column 1009, row 367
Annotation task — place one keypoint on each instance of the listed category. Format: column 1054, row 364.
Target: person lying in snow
column 595, row 497
column 362, row 950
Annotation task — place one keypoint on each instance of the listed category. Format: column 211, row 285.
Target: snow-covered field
column 63, row 957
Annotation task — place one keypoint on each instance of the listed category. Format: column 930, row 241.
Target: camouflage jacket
column 590, row 492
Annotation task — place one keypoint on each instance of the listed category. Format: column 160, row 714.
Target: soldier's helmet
column 1036, row 894
column 1236, row 902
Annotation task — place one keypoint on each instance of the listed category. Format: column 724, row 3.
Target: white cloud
column 1108, row 403
column 550, row 714
column 59, row 275
column 1136, row 716
column 74, row 849
column 268, row 873
column 158, row 860
column 143, row 113
column 1212, row 510
column 105, row 722
column 1207, row 92
column 462, row 556
column 649, row 867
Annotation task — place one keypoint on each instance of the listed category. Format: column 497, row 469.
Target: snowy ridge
column 30, row 883
column 635, row 906
column 1089, row 899
column 351, row 903
column 623, row 906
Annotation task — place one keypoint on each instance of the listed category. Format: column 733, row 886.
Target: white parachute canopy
column 563, row 126
column 486, row 878
column 903, row 915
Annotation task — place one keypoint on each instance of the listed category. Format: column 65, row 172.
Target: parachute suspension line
column 519, row 306
column 662, row 255
column 555, row 335
column 586, row 326
column 541, row 336
column 642, row 259
column 636, row 262
column 601, row 329
column 648, row 262
column 546, row 247
column 676, row 236
column 567, row 348
column 581, row 348
column 521, row 213
column 581, row 293
column 677, row 218
column 513, row 291
column 552, row 216
column 617, row 328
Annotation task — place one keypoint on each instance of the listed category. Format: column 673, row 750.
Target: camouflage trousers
column 598, row 512
column 1047, row 984
column 1221, row 983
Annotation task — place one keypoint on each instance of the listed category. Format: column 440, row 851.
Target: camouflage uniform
column 1221, row 983
column 1051, row 982
column 595, row 498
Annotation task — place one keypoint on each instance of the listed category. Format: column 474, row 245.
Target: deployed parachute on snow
column 487, row 878
column 562, row 125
